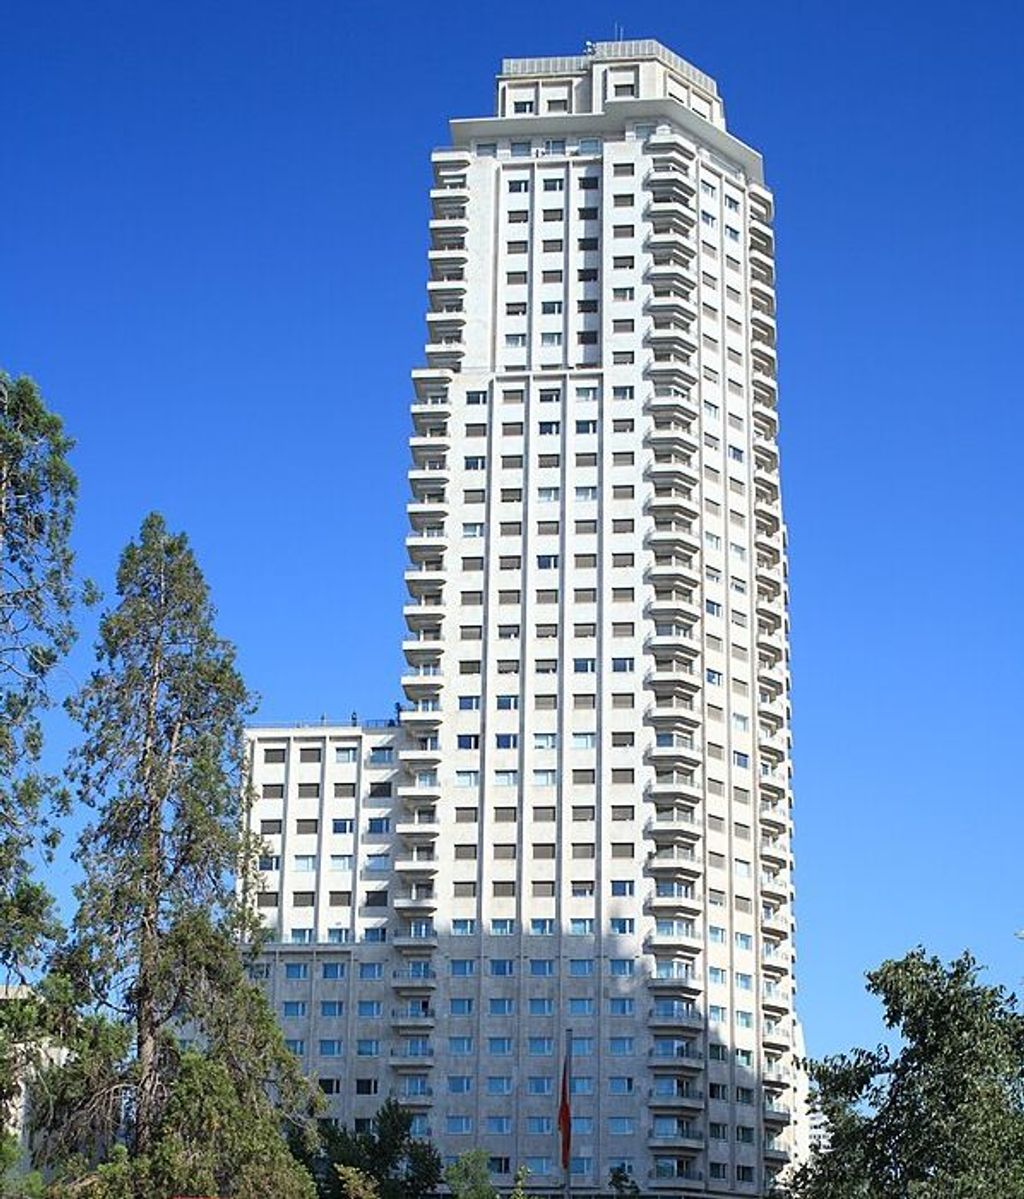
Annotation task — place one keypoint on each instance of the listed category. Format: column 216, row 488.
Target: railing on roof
column 602, row 51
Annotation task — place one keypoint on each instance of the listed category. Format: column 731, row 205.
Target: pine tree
column 176, row 1052
column 398, row 1164
column 37, row 595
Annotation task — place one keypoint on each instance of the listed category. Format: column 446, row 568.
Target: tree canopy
column 399, row 1165
column 171, row 1052
column 942, row 1115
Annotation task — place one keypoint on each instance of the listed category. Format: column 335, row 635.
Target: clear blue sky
column 212, row 257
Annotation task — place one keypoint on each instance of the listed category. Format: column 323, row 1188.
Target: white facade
column 589, row 812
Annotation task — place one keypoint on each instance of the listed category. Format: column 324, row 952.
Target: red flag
column 564, row 1111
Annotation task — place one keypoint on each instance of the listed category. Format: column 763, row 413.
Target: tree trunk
column 146, row 998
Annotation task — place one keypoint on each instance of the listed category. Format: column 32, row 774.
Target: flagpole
column 568, row 1090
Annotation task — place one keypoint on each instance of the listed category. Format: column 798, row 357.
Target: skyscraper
column 582, row 820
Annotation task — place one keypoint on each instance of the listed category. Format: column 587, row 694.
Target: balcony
column 774, row 853
column 430, row 439
column 427, row 504
column 685, row 1097
column 415, row 903
column 762, row 323
column 431, row 405
column 777, row 964
column 425, row 542
column 421, row 615
column 669, row 177
column 688, row 982
column 429, row 382
column 664, row 142
column 680, row 939
column 682, row 749
column 418, row 832
column 667, row 502
column 420, row 1097
column 422, row 790
column 424, row 719
column 415, row 940
column 415, row 687
column 775, row 885
column 671, row 403
column 769, row 573
column 449, row 224
column 762, row 289
column 427, row 573
column 762, row 265
column 774, row 1000
column 682, row 826
column 676, row 604
column 675, row 1059
column 671, row 335
column 668, row 1019
column 668, row 535
column 671, row 371
column 774, row 786
column 659, row 904
column 762, row 203
column 413, row 1016
column 669, row 786
column 401, row 1058
column 678, row 859
column 448, row 190
column 670, row 272
column 423, row 647
column 413, row 1013
column 415, row 864
column 683, row 1138
column 671, row 303
column 774, row 816
column 766, row 392
column 777, row 1113
column 663, row 1178
column 446, row 161
column 445, row 327
column 668, row 466
column 674, row 570
column 428, row 753
column 671, row 710
column 776, row 1036
column 670, row 210
column 446, row 353
column 413, row 980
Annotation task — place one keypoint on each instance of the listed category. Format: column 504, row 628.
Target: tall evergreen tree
column 396, row 1163
column 177, row 1053
column 37, row 595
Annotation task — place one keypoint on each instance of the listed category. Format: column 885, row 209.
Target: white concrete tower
column 590, row 819
column 597, row 623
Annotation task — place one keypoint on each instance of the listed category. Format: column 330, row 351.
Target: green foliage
column 519, row 1183
column 355, row 1184
column 468, row 1177
column 169, row 1047
column 622, row 1183
column 943, row 1116
column 37, row 594
column 15, row 1181
column 400, row 1166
